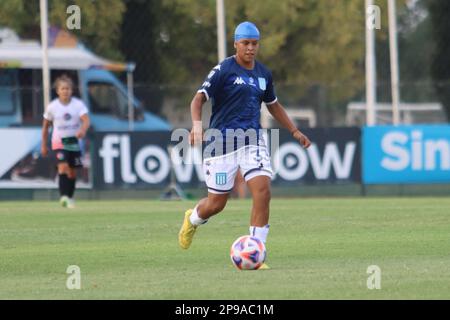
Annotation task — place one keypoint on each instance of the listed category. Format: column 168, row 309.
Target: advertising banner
column 22, row 166
column 143, row 159
column 406, row 154
column 333, row 157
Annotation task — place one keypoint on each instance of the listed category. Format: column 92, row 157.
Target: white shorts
column 221, row 171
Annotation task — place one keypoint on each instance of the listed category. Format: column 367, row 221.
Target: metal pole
column 221, row 34
column 130, row 100
column 371, row 92
column 394, row 62
column 44, row 41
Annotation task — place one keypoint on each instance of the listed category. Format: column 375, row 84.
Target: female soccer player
column 69, row 118
column 237, row 87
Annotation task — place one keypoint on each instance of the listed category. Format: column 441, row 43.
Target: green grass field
column 317, row 248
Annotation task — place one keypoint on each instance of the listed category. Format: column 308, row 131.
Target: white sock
column 260, row 232
column 195, row 219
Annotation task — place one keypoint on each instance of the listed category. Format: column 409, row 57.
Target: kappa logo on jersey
column 67, row 116
column 221, row 178
column 217, row 67
column 211, row 74
column 239, row 80
column 206, row 84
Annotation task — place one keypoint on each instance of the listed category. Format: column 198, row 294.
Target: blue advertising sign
column 406, row 154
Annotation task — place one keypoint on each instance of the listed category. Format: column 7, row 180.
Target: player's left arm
column 279, row 113
column 85, row 123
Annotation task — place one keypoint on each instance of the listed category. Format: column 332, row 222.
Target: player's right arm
column 47, row 123
column 196, row 135
column 204, row 93
column 44, row 148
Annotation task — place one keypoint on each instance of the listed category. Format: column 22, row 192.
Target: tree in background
column 302, row 40
column 100, row 21
column 22, row 16
column 188, row 41
column 305, row 43
column 440, row 68
column 141, row 43
column 414, row 52
column 100, row 24
column 140, row 39
column 315, row 48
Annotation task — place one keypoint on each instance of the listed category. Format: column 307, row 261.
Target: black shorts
column 73, row 158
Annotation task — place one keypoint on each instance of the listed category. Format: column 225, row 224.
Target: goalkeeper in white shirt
column 70, row 120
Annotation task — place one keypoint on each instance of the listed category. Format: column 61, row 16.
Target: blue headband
column 246, row 30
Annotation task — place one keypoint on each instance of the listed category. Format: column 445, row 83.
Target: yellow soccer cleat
column 264, row 266
column 187, row 231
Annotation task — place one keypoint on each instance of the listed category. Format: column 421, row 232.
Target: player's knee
column 63, row 168
column 267, row 193
column 72, row 173
column 264, row 193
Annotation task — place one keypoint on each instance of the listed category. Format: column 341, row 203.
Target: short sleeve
column 48, row 114
column 269, row 94
column 82, row 109
column 211, row 83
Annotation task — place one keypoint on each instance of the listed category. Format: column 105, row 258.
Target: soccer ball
column 248, row 253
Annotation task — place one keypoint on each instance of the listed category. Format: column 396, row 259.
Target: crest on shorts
column 262, row 83
column 221, row 178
